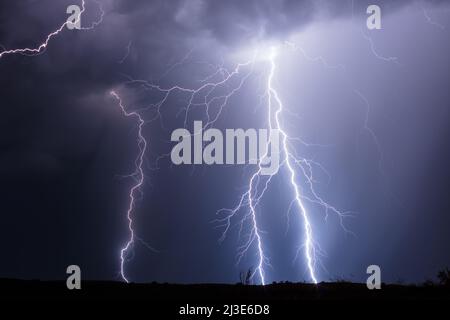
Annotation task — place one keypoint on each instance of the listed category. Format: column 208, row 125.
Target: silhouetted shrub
column 429, row 283
column 444, row 277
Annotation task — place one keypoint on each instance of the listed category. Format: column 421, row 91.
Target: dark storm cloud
column 235, row 22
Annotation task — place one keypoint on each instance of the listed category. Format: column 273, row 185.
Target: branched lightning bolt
column 41, row 48
column 292, row 162
column 309, row 246
column 138, row 176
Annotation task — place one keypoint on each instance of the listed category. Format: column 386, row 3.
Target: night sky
column 373, row 105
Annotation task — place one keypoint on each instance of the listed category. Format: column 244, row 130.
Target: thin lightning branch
column 375, row 52
column 371, row 132
column 310, row 58
column 253, row 196
column 430, row 20
column 256, row 233
column 204, row 94
column 41, row 48
column 139, row 181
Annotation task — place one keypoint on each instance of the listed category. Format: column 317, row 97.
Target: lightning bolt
column 138, row 176
column 43, row 46
column 273, row 95
column 202, row 96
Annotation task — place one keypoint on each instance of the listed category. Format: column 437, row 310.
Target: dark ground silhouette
column 35, row 289
column 284, row 299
